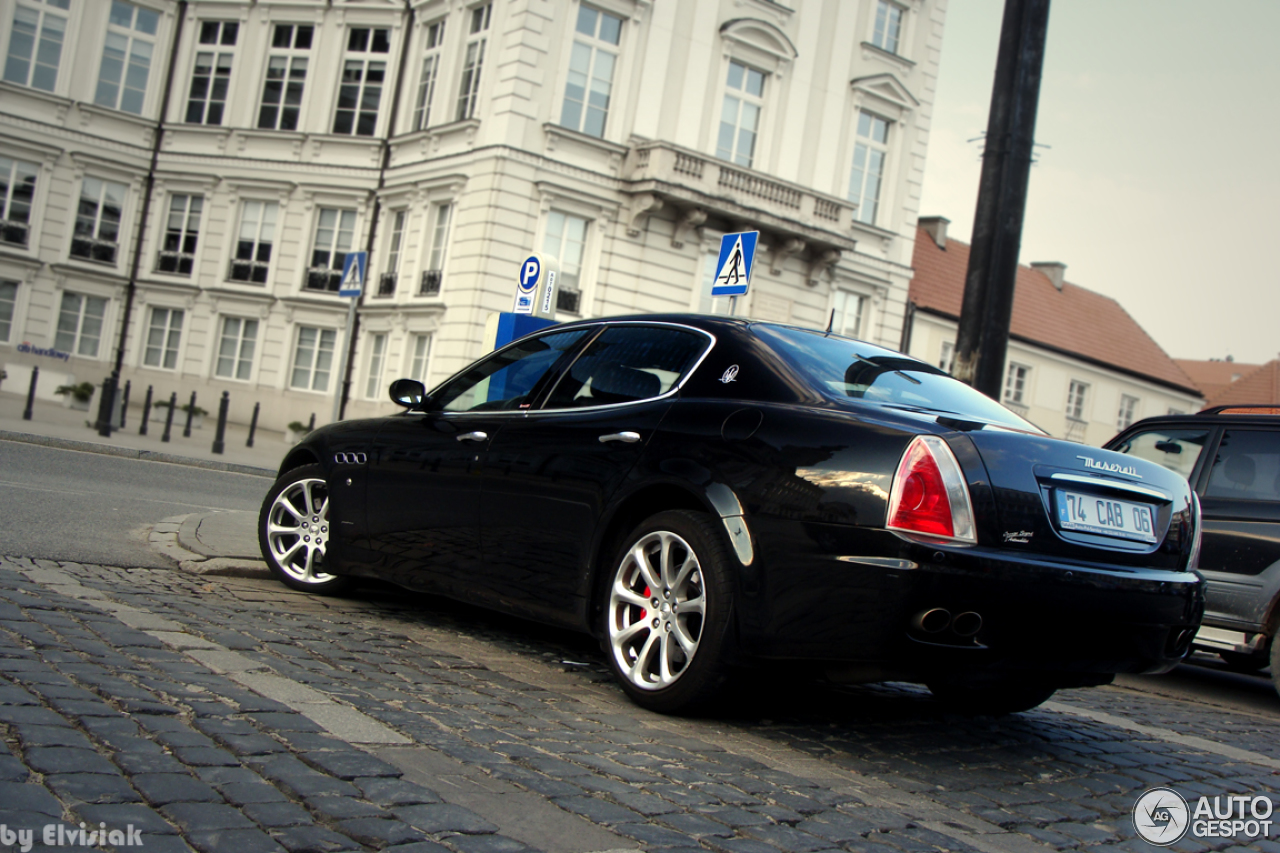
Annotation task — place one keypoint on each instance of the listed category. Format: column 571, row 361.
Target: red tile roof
column 1260, row 386
column 1073, row 320
column 1213, row 377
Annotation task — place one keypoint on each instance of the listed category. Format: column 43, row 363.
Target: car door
column 1240, row 505
column 551, row 473
column 425, row 467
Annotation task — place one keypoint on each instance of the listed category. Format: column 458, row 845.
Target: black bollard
column 218, row 443
column 31, row 394
column 253, row 424
column 124, row 401
column 146, row 413
column 107, row 404
column 168, row 419
column 191, row 413
column 311, row 425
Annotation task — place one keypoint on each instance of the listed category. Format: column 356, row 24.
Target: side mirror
column 409, row 393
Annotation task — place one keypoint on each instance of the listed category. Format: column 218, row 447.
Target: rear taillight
column 1193, row 562
column 929, row 496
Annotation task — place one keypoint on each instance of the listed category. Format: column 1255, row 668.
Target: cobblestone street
column 230, row 714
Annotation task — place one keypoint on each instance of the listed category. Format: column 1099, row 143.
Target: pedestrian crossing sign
column 353, row 274
column 733, row 269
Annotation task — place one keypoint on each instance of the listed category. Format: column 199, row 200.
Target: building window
column 182, row 230
column 869, row 154
column 80, row 324
column 212, row 76
column 434, row 274
column 8, row 299
column 313, row 359
column 427, row 80
column 469, row 91
column 888, row 26
column 591, row 67
column 387, row 284
column 1015, row 383
column 421, row 357
column 17, row 193
column 740, row 115
column 286, row 77
column 335, row 231
column 253, row 246
column 126, row 58
column 847, row 320
column 947, row 356
column 97, row 230
column 35, row 43
column 1076, row 399
column 1128, row 406
column 235, row 348
column 566, row 240
column 377, row 355
column 362, row 79
column 163, row 336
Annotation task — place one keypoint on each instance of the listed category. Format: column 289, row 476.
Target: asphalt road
column 86, row 507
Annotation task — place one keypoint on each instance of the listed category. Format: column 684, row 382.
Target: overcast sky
column 1160, row 182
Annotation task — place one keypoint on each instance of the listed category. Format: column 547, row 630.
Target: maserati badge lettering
column 1111, row 467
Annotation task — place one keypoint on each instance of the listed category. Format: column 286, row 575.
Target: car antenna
column 831, row 322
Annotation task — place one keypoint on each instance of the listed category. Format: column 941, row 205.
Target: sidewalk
column 54, row 424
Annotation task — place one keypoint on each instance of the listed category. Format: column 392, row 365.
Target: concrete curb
column 175, row 538
column 131, row 453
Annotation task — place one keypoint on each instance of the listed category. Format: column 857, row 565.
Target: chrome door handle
column 629, row 437
column 473, row 436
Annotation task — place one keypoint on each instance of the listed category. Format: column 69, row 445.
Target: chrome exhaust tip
column 967, row 624
column 932, row 621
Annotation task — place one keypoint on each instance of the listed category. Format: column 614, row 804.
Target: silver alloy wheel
column 298, row 530
column 657, row 607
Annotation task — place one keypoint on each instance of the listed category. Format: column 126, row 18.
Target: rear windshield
column 845, row 369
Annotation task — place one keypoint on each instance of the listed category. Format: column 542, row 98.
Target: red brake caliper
column 645, row 613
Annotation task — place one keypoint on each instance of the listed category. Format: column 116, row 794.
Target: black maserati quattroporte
column 707, row 493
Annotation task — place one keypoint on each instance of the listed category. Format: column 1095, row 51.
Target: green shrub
column 82, row 392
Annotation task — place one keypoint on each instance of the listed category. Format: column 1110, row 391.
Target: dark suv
column 1231, row 456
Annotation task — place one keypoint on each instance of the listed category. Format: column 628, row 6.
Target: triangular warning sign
column 352, row 280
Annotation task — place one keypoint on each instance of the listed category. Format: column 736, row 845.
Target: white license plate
column 1105, row 516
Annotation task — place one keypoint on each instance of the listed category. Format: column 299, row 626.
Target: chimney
column 935, row 227
column 1055, row 270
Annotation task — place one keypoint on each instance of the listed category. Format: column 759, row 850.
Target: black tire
column 681, row 663
column 992, row 699
column 293, row 531
column 1239, row 662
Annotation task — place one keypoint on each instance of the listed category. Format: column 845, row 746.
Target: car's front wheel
column 991, row 698
column 667, row 612
column 293, row 531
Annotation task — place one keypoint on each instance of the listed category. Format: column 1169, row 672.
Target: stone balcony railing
column 694, row 182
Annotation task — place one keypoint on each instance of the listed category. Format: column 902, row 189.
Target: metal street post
column 353, row 275
column 982, row 340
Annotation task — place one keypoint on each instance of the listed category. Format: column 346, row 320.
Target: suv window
column 1176, row 449
column 626, row 364
column 1247, row 466
column 505, row 379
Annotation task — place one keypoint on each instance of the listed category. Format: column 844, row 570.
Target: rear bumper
column 1056, row 620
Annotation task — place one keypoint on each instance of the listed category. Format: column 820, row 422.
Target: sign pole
column 352, row 285
column 342, row 362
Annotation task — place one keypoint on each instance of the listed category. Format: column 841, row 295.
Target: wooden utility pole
column 983, row 337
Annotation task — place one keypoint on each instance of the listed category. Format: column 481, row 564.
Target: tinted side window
column 1247, row 466
column 1175, row 449
column 504, row 379
column 628, row 363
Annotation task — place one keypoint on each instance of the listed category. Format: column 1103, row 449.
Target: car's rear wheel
column 667, row 611
column 991, row 698
column 293, row 531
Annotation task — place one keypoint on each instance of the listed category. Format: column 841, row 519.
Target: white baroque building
column 204, row 167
